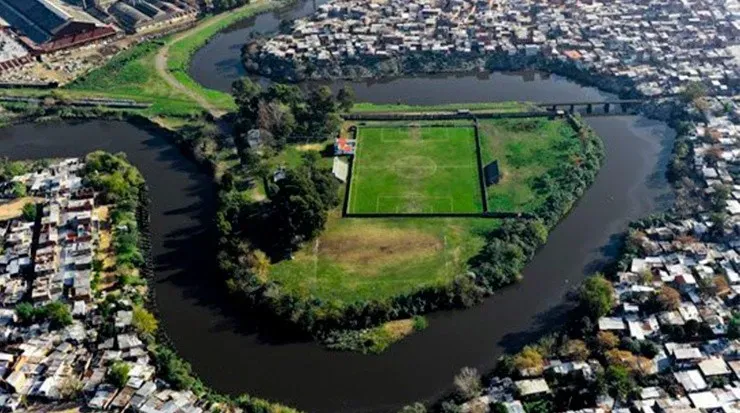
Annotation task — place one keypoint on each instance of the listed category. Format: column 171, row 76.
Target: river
column 234, row 355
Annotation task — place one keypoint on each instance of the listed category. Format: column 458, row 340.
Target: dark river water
column 234, row 355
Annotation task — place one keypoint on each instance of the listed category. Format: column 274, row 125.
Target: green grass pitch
column 415, row 169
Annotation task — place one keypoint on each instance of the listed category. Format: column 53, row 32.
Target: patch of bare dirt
column 373, row 246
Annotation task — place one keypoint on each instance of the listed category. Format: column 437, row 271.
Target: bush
column 597, row 296
column 420, row 323
column 28, row 213
column 118, row 373
column 144, row 322
column 467, row 383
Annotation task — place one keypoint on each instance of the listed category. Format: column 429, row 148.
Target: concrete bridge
column 606, row 104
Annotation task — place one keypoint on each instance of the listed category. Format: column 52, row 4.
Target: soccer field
column 415, row 169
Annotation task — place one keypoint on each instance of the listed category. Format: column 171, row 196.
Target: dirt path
column 160, row 62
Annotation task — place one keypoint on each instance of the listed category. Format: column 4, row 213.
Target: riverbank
column 195, row 325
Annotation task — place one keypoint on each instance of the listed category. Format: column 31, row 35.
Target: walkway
column 160, row 62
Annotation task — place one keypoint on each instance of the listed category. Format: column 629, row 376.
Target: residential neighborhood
column 673, row 318
column 655, row 47
column 65, row 327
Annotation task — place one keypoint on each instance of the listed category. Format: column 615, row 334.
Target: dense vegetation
column 374, row 340
column 526, row 150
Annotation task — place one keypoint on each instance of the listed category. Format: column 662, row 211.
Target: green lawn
column 525, row 149
column 415, row 169
column 358, row 259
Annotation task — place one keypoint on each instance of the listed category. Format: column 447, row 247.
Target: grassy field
column 415, row 170
column 357, row 259
column 525, row 149
column 132, row 75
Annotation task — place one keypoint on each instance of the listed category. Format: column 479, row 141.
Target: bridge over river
column 607, row 104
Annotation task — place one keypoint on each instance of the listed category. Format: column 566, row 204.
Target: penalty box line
column 421, row 197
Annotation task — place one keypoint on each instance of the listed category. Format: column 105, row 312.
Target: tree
column 298, row 212
column 144, row 322
column 58, row 314
column 413, row 408
column 597, row 296
column 71, row 388
column 259, row 264
column 529, row 359
column 346, row 98
column 244, row 91
column 619, row 382
column 290, row 95
column 321, row 117
column 720, row 195
column 277, row 119
column 28, row 213
column 576, row 350
column 719, row 222
column 172, row 369
column 693, row 91
column 668, row 298
column 467, row 383
column 617, row 357
column 607, row 340
column 118, row 373
column 733, row 328
column 26, row 313
column 19, row 190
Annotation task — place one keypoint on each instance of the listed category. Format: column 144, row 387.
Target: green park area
column 359, row 259
column 415, row 169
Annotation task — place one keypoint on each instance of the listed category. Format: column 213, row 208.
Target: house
column 531, row 387
column 690, row 380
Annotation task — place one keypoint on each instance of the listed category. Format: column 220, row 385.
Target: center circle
column 414, row 167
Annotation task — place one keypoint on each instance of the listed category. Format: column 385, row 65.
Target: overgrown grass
column 377, row 339
column 358, row 259
column 132, row 75
column 525, row 149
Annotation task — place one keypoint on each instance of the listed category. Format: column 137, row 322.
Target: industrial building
column 49, row 25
